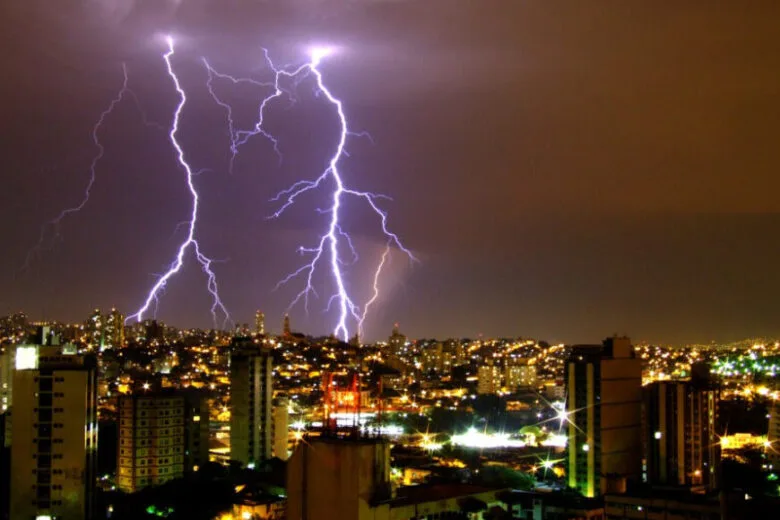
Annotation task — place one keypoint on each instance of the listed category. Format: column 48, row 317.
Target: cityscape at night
column 389, row 260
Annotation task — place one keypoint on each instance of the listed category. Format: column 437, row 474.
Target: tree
column 488, row 404
column 499, row 476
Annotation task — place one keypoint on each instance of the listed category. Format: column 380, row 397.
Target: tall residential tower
column 251, row 410
column 54, row 430
column 680, row 441
column 260, row 323
column 603, row 411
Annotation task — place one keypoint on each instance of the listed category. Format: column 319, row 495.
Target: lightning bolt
column 327, row 248
column 54, row 224
column 238, row 138
column 375, row 294
column 190, row 242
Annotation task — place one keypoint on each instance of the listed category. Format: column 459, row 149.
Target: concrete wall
column 337, row 479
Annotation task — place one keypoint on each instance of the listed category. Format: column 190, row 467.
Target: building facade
column 162, row 436
column 348, row 478
column 773, row 436
column 54, row 429
column 396, row 343
column 603, row 417
column 7, row 356
column 520, row 376
column 260, row 323
column 679, row 436
column 281, row 427
column 488, row 379
column 251, row 410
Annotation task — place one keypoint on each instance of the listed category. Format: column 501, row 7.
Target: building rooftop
column 434, row 492
column 564, row 499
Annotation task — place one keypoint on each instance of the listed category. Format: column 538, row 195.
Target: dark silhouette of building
column 251, row 410
column 680, row 441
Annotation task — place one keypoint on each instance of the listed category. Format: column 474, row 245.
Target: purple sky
column 563, row 170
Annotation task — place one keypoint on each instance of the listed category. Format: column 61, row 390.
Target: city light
column 556, row 441
column 429, row 444
column 385, row 429
column 474, row 439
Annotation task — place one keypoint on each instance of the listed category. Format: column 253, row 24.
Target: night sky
column 563, row 170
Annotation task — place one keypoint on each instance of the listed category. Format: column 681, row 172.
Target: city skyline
column 605, row 180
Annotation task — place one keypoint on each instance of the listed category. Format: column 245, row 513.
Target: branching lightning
column 240, row 137
column 53, row 225
column 190, row 241
column 333, row 251
column 328, row 243
column 375, row 294
column 327, row 249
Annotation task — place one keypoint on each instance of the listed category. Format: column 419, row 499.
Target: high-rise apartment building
column 94, row 327
column 162, row 435
column 54, row 429
column 114, row 334
column 488, row 379
column 432, row 358
column 396, row 343
column 260, row 323
column 251, row 411
column 7, row 355
column 5, row 468
column 286, row 329
column 281, row 427
column 681, row 445
column 773, row 436
column 457, row 352
column 603, row 411
column 520, row 376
